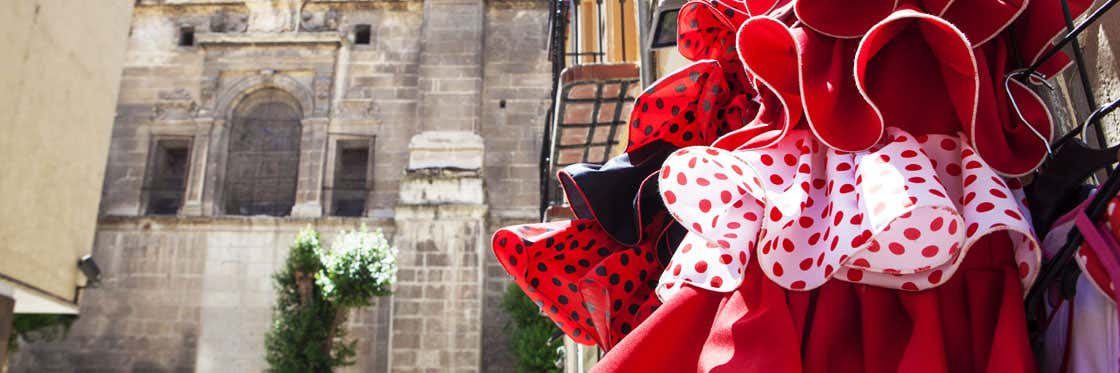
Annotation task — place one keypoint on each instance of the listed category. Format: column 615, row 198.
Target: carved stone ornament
column 174, row 104
column 229, row 22
column 320, row 21
column 360, row 109
column 272, row 15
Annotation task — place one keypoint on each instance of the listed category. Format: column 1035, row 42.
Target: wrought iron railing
column 600, row 93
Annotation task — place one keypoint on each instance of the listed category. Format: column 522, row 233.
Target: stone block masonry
column 451, row 95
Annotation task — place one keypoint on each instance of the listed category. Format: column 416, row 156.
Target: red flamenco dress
column 823, row 190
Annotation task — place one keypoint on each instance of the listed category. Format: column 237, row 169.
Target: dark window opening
column 167, row 176
column 351, row 178
column 263, row 160
column 186, row 36
column 362, row 34
column 665, row 31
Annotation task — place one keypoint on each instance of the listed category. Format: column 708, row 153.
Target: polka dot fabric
column 706, row 31
column 593, row 288
column 1086, row 258
column 689, row 107
column 900, row 215
column 814, row 140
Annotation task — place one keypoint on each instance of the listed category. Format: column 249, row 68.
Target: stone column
column 196, row 178
column 313, row 150
column 436, row 321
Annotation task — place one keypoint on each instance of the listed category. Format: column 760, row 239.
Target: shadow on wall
column 1100, row 45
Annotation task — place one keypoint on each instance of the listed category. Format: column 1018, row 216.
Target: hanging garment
column 594, row 276
column 595, row 289
column 818, row 141
column 1083, row 334
column 971, row 323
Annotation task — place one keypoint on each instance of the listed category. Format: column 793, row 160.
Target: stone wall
column 1101, row 47
column 515, row 102
column 453, row 95
column 191, row 295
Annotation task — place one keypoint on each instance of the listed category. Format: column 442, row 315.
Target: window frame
column 357, row 29
column 146, row 188
column 334, row 150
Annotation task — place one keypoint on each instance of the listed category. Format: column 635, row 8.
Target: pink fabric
column 1084, row 334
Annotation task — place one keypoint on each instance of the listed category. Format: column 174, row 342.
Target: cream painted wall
column 59, row 75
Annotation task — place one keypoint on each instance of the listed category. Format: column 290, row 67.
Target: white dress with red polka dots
column 900, row 215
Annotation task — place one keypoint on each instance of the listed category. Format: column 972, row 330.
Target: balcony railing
column 594, row 87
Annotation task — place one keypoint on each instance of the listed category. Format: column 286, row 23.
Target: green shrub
column 530, row 333
column 32, row 327
column 315, row 291
column 360, row 265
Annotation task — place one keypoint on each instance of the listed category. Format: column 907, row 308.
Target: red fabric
column 934, row 7
column 692, row 106
column 843, row 19
column 999, row 134
column 762, row 7
column 595, row 289
column 973, row 323
column 1039, row 25
column 770, row 57
column 919, row 72
column 813, row 74
column 706, row 31
column 981, row 20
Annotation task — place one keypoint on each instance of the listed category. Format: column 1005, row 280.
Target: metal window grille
column 591, row 96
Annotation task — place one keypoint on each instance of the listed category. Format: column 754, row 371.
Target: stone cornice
column 265, row 38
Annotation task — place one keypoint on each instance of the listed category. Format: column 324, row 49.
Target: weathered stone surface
column 441, row 187
column 459, row 150
column 451, row 93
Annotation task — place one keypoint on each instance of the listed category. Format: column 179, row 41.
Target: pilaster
column 313, row 150
column 441, row 234
column 196, row 177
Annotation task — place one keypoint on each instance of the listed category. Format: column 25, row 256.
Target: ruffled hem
column 620, row 195
column 973, row 323
column 901, row 215
column 694, row 106
column 593, row 288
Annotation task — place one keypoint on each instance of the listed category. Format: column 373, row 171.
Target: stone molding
column 263, row 38
column 231, row 95
column 459, row 150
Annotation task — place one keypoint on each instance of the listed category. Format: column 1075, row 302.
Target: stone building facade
column 240, row 122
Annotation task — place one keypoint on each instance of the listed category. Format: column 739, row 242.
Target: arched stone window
column 262, row 166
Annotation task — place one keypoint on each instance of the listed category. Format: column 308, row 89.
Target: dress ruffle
column 620, row 195
column 595, row 289
column 716, row 39
column 900, row 215
column 929, row 66
column 692, row 106
column 1038, row 26
column 972, row 323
